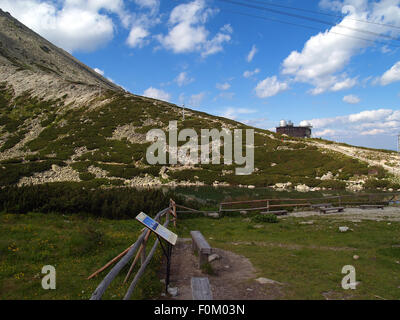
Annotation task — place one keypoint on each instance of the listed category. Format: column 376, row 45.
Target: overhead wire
column 309, row 19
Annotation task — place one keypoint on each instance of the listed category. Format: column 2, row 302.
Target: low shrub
column 268, row 218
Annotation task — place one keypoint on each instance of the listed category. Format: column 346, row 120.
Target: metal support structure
column 167, row 253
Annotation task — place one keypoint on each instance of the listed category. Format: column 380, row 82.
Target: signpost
column 161, row 232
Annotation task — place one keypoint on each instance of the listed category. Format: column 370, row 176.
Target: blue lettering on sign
column 150, row 223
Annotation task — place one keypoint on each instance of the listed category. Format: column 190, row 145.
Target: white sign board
column 157, row 228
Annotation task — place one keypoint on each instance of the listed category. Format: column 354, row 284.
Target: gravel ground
column 387, row 214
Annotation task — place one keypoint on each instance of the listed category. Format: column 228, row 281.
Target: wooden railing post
column 172, row 206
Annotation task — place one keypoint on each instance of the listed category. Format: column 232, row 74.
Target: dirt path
column 387, row 214
column 234, row 277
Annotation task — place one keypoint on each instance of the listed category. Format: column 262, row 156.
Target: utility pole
column 183, row 112
column 398, row 143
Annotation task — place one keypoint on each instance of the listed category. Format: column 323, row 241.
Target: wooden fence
column 139, row 247
column 340, row 200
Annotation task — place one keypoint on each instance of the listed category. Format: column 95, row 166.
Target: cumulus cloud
column 137, row 37
column 183, row 79
column 324, row 56
column 188, row 33
column 74, row 25
column 157, row 94
column 270, row 87
column 352, row 99
column 364, row 123
column 372, row 132
column 252, row 53
column 249, row 73
column 391, row 75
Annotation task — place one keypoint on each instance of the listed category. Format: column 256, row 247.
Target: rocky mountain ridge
column 62, row 121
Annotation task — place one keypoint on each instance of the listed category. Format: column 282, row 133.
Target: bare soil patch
column 233, row 279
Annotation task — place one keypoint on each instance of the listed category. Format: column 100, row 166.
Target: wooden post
column 172, row 206
column 109, row 263
column 143, row 253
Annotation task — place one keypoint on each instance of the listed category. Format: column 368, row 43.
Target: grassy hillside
column 76, row 247
column 49, row 141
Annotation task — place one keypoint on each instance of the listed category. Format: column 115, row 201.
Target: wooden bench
column 325, row 210
column 201, row 289
column 200, row 244
column 321, row 205
column 371, row 206
column 277, row 212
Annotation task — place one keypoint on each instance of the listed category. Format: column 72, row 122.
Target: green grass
column 76, row 247
column 66, row 129
column 309, row 258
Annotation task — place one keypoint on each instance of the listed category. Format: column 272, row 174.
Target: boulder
column 302, row 188
column 213, row 257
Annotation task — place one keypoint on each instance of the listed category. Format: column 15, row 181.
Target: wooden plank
column 321, row 205
column 201, row 242
column 371, row 206
column 324, row 210
column 201, row 289
column 277, row 212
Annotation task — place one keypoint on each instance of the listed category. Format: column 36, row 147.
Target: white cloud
column 391, row 75
column 99, row 71
column 151, row 4
column 325, row 133
column 270, row 87
column 157, row 94
column 323, row 57
column 187, row 31
column 183, row 79
column 352, row 99
column 248, row 74
column 137, row 37
column 74, row 25
column 226, row 95
column 372, row 132
column 196, row 99
column 215, row 44
column 223, row 86
column 234, row 113
column 251, row 54
column 364, row 123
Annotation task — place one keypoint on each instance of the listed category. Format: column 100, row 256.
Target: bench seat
column 325, row 210
column 321, row 205
column 201, row 246
column 371, row 206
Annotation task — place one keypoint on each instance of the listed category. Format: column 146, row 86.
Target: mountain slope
column 61, row 121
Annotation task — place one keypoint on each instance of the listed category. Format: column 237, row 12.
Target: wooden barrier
column 101, row 288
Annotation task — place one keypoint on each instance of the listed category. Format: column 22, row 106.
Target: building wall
column 299, row 132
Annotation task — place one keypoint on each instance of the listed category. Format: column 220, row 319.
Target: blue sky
column 205, row 54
